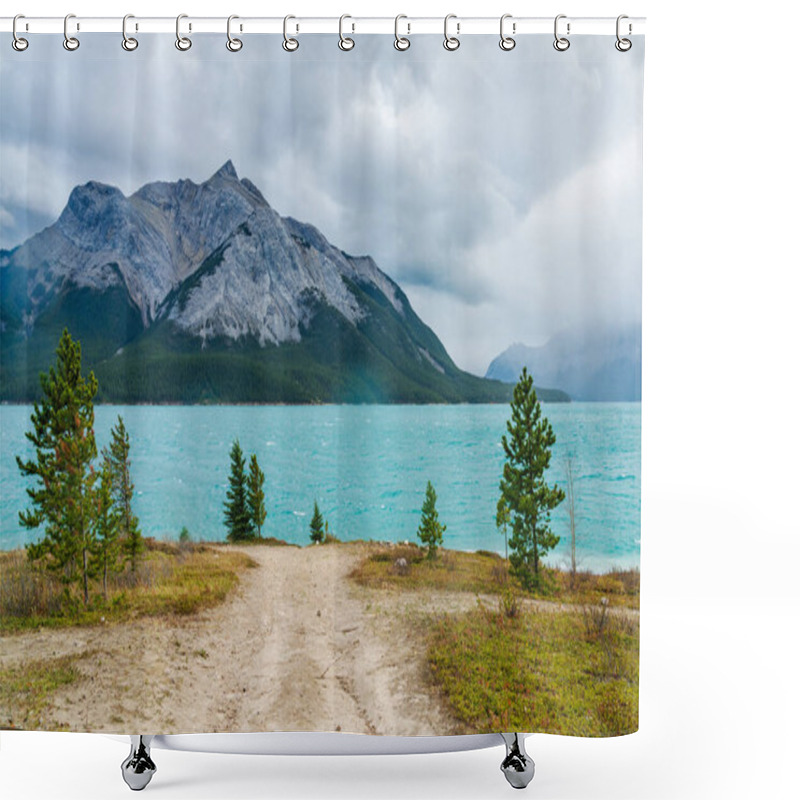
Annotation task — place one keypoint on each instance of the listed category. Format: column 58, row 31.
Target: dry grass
column 407, row 567
column 264, row 541
column 487, row 573
column 620, row 587
column 25, row 591
column 169, row 579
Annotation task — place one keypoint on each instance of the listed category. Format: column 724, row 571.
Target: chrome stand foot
column 517, row 766
column 138, row 768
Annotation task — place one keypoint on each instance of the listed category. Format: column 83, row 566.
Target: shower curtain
column 320, row 375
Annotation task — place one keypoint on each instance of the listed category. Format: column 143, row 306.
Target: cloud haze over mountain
column 405, row 156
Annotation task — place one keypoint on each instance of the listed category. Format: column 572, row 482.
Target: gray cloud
column 501, row 190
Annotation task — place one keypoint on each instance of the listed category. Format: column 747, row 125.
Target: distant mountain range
column 194, row 293
column 588, row 364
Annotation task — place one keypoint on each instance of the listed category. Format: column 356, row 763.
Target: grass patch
column 544, row 671
column 25, row 691
column 169, row 579
column 405, row 567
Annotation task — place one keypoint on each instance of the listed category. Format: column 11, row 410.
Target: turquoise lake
column 367, row 466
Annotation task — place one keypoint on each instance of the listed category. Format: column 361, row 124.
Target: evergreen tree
column 255, row 496
column 117, row 456
column 237, row 515
column 107, row 527
column 523, row 487
column 62, row 498
column 430, row 531
column 317, row 526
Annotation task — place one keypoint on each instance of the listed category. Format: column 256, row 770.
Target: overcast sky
column 502, row 191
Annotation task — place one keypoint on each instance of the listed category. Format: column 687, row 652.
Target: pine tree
column 237, row 515
column 255, row 496
column 117, row 456
column 523, row 487
column 430, row 531
column 317, row 526
column 63, row 495
column 107, row 527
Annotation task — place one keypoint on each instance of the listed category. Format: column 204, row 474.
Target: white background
column 720, row 531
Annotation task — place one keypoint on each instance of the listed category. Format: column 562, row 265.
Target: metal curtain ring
column 70, row 42
column 289, row 44
column 18, row 43
column 183, row 43
column 506, row 42
column 233, row 44
column 345, row 42
column 561, row 43
column 128, row 42
column 623, row 45
column 400, row 42
column 451, row 42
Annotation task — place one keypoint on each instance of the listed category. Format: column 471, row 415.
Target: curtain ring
column 345, row 42
column 18, row 43
column 128, row 42
column 400, row 42
column 623, row 45
column 233, row 44
column 561, row 43
column 70, row 42
column 506, row 42
column 183, row 43
column 451, row 43
column 289, row 44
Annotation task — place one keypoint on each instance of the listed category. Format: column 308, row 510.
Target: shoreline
column 271, row 541
column 571, row 401
column 21, row 403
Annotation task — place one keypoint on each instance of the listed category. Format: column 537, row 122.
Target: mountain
column 588, row 364
column 203, row 293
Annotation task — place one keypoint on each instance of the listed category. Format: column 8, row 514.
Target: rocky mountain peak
column 227, row 170
column 88, row 203
column 214, row 258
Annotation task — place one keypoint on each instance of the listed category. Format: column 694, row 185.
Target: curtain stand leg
column 517, row 766
column 138, row 768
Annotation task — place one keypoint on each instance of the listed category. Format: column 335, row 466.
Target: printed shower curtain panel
column 320, row 386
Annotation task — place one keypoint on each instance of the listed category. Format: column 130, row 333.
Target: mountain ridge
column 186, row 292
column 591, row 363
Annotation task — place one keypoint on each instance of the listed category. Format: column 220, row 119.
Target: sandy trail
column 296, row 646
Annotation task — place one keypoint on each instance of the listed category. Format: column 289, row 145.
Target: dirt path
column 295, row 647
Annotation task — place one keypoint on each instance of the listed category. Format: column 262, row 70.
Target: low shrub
column 509, row 604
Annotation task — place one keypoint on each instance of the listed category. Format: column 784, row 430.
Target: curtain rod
column 461, row 26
